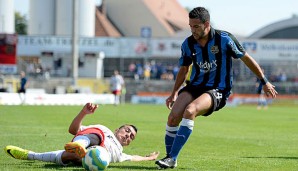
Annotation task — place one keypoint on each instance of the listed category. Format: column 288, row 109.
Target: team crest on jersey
column 214, row 49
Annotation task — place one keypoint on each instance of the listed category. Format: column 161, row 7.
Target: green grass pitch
column 235, row 138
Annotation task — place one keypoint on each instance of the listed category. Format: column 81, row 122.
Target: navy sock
column 182, row 136
column 169, row 137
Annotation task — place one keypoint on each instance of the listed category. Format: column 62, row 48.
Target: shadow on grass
column 139, row 167
column 72, row 167
column 50, row 166
column 58, row 167
column 133, row 167
column 41, row 165
column 277, row 157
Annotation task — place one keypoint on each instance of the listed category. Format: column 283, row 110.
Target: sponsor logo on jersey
column 207, row 66
column 214, row 49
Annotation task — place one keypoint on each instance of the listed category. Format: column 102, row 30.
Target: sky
column 239, row 17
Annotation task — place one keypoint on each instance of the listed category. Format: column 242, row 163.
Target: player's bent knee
column 189, row 113
column 94, row 139
column 174, row 120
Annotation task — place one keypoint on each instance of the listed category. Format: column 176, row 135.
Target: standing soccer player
column 117, row 86
column 211, row 52
column 23, row 87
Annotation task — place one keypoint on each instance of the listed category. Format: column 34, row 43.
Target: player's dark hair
column 200, row 13
column 134, row 127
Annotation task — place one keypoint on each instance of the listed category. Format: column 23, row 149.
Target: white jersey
column 117, row 82
column 111, row 144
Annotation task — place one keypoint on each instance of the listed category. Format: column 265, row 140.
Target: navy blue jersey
column 23, row 82
column 260, row 86
column 212, row 64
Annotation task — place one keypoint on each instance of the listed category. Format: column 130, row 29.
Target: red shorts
column 116, row 92
column 95, row 131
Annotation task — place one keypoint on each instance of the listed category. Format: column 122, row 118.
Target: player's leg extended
column 16, row 152
column 172, row 127
column 22, row 154
column 52, row 156
column 198, row 107
column 174, row 119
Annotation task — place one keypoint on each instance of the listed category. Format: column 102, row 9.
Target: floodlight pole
column 75, row 49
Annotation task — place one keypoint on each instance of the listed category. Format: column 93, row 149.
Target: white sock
column 84, row 140
column 52, row 156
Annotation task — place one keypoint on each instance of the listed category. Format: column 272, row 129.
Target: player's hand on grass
column 153, row 155
column 89, row 108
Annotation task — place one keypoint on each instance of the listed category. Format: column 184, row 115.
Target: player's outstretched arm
column 74, row 127
column 256, row 69
column 269, row 89
column 151, row 156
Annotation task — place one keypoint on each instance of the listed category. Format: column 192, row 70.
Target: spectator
column 117, row 86
column 23, row 87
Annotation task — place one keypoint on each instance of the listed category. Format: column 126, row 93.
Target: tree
column 20, row 23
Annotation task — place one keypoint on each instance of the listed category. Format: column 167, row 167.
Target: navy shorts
column 21, row 90
column 219, row 98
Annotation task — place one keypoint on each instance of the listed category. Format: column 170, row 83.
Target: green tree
column 20, row 23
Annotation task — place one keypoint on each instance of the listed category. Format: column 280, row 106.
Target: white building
column 7, row 17
column 54, row 17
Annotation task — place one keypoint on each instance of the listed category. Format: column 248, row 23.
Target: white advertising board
column 56, row 99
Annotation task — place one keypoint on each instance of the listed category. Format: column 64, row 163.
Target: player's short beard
column 200, row 35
